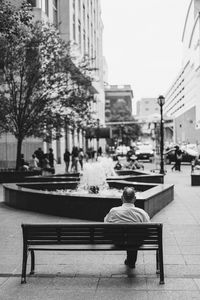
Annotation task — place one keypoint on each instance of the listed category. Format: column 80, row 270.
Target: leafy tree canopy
column 41, row 85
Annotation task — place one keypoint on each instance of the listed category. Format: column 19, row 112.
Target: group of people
column 45, row 161
column 39, row 161
column 75, row 157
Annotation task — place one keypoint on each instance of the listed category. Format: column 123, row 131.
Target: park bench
column 91, row 237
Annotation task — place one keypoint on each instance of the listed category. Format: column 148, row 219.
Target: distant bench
column 91, row 237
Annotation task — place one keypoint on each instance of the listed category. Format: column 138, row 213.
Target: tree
column 126, row 132
column 42, row 86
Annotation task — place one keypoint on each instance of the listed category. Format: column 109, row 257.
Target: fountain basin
column 128, row 175
column 38, row 197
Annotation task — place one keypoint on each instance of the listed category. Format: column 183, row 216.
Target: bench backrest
column 92, row 233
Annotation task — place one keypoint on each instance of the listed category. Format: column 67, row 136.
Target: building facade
column 148, row 116
column 146, row 107
column 118, row 111
column 183, row 97
column 118, row 103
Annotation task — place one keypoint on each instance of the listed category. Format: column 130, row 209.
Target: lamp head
column 161, row 100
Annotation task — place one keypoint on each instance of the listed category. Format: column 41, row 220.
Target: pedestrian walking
column 74, row 166
column 80, row 157
column 179, row 159
column 99, row 151
column 40, row 156
column 178, row 155
column 66, row 158
column 51, row 158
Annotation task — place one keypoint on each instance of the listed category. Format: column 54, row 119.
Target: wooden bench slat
column 81, row 242
column 100, row 247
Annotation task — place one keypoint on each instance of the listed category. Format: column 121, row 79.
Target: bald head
column 128, row 195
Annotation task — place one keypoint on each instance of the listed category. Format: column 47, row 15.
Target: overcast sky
column 142, row 43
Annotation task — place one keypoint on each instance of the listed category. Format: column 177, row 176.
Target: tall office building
column 183, row 97
column 79, row 22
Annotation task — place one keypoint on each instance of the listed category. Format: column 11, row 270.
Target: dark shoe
column 129, row 264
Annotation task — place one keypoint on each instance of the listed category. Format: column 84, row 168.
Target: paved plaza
column 103, row 275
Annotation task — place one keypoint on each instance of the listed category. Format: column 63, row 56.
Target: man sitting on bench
column 128, row 213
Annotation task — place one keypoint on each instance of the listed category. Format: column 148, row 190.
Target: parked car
column 188, row 155
column 122, row 150
column 144, row 151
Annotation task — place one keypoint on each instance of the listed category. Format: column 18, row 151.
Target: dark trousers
column 178, row 164
column 132, row 256
column 66, row 166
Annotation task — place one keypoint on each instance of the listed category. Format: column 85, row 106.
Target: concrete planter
column 195, row 179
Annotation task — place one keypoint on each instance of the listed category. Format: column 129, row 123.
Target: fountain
column 85, row 198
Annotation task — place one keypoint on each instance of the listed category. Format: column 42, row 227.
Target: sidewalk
column 97, row 275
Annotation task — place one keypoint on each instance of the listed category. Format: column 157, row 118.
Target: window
column 84, row 15
column 79, row 32
column 88, row 25
column 55, row 13
column 92, row 32
column 84, row 41
column 74, row 27
column 88, row 46
column 47, row 7
column 91, row 8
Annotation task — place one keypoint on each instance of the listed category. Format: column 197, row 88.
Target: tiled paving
column 103, row 275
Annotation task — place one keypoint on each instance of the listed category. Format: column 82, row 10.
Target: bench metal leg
column 32, row 262
column 24, row 264
column 161, row 267
column 157, row 263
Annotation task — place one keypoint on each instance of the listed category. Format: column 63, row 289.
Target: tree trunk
column 19, row 148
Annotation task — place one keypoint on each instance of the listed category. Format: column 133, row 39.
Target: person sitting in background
column 128, row 213
column 34, row 162
column 40, row 156
column 24, row 166
column 134, row 164
column 195, row 164
column 118, row 165
column 130, row 153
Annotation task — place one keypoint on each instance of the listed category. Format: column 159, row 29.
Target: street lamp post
column 161, row 102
